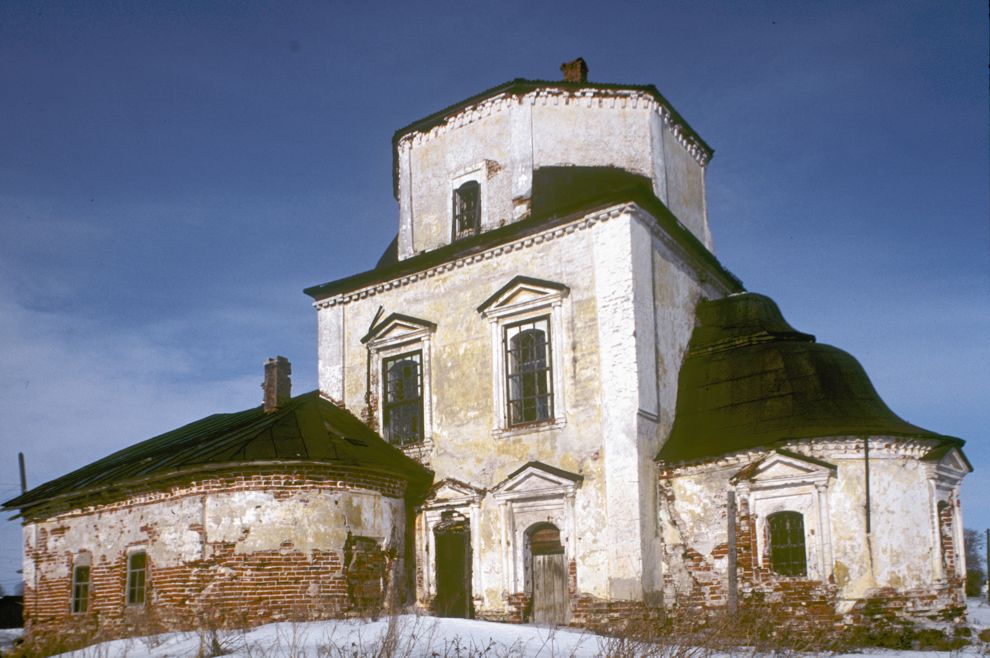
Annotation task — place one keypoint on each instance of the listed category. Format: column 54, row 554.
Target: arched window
column 530, row 394
column 788, row 556
column 402, row 405
column 467, row 209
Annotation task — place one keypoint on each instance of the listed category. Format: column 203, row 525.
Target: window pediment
column 451, row 492
column 535, row 480
column 521, row 294
column 397, row 327
column 783, row 468
column 948, row 463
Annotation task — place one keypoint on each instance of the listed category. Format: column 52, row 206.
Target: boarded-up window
column 787, row 550
column 136, row 578
column 365, row 571
column 945, row 535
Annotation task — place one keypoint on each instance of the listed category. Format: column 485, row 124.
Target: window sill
column 421, row 451
column 529, row 428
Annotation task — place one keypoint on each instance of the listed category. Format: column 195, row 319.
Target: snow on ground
column 417, row 637
column 979, row 613
column 7, row 638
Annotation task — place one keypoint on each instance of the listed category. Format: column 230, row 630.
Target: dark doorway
column 548, row 575
column 453, row 566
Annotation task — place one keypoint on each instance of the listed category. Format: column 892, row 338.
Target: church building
column 548, row 402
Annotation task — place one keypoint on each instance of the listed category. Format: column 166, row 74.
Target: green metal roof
column 638, row 193
column 308, row 428
column 749, row 379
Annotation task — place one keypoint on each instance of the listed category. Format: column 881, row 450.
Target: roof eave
column 645, row 199
column 417, row 481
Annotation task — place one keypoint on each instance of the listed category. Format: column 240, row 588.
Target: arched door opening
column 547, row 574
column 453, row 566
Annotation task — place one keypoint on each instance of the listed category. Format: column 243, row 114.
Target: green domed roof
column 750, row 379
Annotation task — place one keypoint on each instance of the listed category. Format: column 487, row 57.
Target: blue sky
column 172, row 175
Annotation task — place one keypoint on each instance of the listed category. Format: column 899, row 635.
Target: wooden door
column 453, row 567
column 548, row 576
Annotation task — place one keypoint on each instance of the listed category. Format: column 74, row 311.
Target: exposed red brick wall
column 365, row 574
column 224, row 587
column 947, row 539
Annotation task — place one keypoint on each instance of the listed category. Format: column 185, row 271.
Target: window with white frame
column 402, row 398
column 527, row 335
column 468, row 189
column 528, row 371
column 399, row 374
column 788, row 554
column 787, row 494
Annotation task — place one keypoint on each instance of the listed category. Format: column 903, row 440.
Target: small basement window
column 137, row 564
column 788, row 555
column 467, row 209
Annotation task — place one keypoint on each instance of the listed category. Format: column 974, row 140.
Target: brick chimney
column 278, row 384
column 576, row 71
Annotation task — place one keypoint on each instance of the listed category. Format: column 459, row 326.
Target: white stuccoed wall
column 505, row 138
column 902, row 551
column 626, row 321
column 250, row 520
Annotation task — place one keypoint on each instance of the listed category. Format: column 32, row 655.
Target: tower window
column 788, row 556
column 529, row 385
column 402, row 398
column 467, row 209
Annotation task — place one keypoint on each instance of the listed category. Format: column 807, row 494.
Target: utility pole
column 986, row 570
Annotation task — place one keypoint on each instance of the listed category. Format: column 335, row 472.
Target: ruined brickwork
column 225, row 548
column 591, row 421
column 896, row 570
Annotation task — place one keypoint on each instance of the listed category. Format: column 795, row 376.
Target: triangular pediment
column 536, row 479
column 783, row 466
column 521, row 292
column 955, row 461
column 397, row 326
column 949, row 461
column 451, row 491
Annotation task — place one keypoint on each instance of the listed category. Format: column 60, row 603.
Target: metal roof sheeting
column 750, row 380
column 309, row 428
